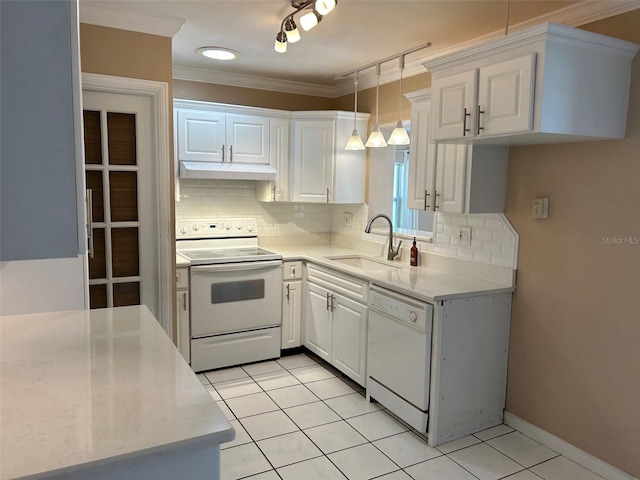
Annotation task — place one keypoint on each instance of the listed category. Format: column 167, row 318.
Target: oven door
column 234, row 297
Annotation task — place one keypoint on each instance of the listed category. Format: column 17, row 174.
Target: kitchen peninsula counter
column 422, row 282
column 102, row 394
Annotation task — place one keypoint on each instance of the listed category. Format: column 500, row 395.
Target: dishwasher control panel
column 403, row 309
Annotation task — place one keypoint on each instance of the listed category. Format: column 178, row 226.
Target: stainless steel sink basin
column 365, row 263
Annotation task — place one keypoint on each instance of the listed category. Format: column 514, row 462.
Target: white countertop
column 420, row 282
column 81, row 389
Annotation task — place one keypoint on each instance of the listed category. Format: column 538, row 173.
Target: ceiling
column 356, row 33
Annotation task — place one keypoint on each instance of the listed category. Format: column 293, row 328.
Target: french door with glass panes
column 120, row 173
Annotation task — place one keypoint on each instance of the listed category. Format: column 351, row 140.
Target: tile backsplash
column 493, row 242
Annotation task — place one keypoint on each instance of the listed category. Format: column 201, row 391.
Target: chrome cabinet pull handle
column 274, row 193
column 464, row 123
column 90, row 222
column 333, row 302
column 435, row 203
column 231, row 153
column 327, row 194
column 426, row 200
column 184, row 298
column 288, row 292
column 223, row 152
column 327, row 300
column 479, row 127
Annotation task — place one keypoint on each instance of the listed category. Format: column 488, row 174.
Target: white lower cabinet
column 336, row 326
column 291, row 313
column 182, row 314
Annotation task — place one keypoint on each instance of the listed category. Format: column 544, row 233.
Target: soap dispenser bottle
column 414, row 254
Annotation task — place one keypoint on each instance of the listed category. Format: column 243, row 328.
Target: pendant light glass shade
column 399, row 136
column 291, row 29
column 355, row 142
column 325, row 6
column 281, row 42
column 376, row 139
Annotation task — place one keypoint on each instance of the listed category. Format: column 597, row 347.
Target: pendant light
column 399, row 136
column 376, row 139
column 355, row 142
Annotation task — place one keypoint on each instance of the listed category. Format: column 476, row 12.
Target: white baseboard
column 566, row 449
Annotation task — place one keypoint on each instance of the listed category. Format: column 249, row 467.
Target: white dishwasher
column 399, row 355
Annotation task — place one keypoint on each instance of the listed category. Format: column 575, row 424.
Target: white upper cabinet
column 206, row 136
column 454, row 178
column 547, row 84
column 277, row 190
column 322, row 170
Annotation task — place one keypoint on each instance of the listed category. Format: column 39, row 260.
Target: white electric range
column 235, row 292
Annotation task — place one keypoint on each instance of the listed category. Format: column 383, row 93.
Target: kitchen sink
column 365, row 263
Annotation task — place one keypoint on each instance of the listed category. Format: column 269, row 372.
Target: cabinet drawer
column 351, row 287
column 292, row 271
column 182, row 278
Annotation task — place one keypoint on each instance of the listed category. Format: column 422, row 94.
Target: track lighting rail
column 384, row 60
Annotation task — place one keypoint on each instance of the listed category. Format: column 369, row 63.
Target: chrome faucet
column 391, row 254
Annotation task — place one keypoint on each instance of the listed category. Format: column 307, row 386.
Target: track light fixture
column 289, row 32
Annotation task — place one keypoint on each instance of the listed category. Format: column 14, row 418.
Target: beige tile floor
column 299, row 419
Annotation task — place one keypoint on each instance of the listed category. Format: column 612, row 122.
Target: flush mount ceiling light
column 289, row 32
column 218, row 53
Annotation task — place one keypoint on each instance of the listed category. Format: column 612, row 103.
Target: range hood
column 227, row 171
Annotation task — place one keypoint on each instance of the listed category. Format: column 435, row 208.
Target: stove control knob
column 413, row 316
column 239, row 226
column 195, row 227
column 227, row 226
column 250, row 228
column 183, row 230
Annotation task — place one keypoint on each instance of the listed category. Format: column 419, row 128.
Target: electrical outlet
column 464, row 236
column 347, row 219
column 540, row 208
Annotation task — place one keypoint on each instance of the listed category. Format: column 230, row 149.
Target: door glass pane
column 123, row 188
column 126, row 294
column 94, row 183
column 92, row 138
column 98, row 296
column 236, row 291
column 124, row 252
column 98, row 264
column 121, row 130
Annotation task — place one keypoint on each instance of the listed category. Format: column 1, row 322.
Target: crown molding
column 251, row 81
column 573, row 16
column 108, row 17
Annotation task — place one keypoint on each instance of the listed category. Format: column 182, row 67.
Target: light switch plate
column 540, row 208
column 347, row 219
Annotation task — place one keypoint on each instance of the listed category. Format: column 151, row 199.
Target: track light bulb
column 291, row 29
column 281, row 42
column 310, row 20
column 325, row 6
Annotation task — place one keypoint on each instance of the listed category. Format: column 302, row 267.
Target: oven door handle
column 233, row 267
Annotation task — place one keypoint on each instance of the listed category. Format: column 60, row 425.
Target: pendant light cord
column 401, row 63
column 355, row 104
column 506, row 23
column 377, row 91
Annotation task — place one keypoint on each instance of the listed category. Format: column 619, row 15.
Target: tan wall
column 574, row 363
column 188, row 90
column 123, row 53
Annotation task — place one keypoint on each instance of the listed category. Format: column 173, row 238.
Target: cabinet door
column 201, row 136
column 247, row 139
column 422, row 159
column 318, row 325
column 183, row 338
column 451, row 162
column 454, row 105
column 312, row 162
column 350, row 338
column 279, row 153
column 505, row 97
column 291, row 314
